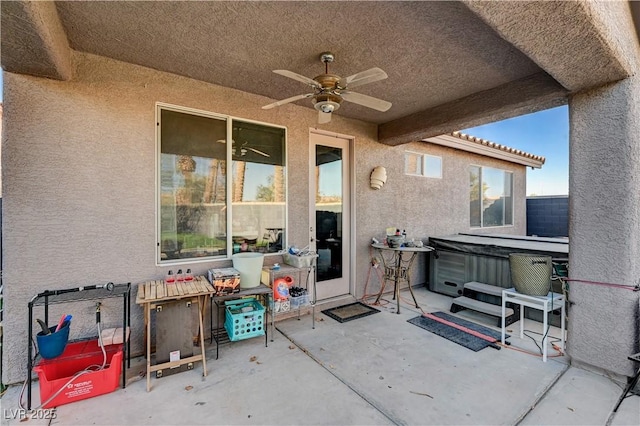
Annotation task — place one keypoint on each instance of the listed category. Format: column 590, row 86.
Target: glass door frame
column 350, row 222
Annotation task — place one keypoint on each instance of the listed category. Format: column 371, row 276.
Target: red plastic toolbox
column 55, row 373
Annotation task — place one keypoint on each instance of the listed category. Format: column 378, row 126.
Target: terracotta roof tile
column 497, row 146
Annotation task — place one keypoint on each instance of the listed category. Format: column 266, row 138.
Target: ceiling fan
column 241, row 151
column 329, row 90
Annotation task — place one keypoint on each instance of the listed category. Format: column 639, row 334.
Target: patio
column 84, row 89
column 373, row 370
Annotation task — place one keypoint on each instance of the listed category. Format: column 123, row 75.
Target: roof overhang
column 488, row 149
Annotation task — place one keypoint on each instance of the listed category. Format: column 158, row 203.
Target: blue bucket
column 52, row 345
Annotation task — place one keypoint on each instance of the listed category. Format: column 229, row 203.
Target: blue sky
column 543, row 133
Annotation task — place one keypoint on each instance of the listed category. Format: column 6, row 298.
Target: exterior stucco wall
column 424, row 207
column 604, row 227
column 79, row 186
column 604, row 207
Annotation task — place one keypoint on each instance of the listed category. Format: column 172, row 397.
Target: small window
column 417, row 164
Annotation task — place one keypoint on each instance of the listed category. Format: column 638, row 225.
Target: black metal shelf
column 80, row 294
column 219, row 334
column 304, row 273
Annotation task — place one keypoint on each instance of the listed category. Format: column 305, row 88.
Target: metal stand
column 631, row 384
column 92, row 292
column 219, row 332
column 397, row 269
column 314, row 299
column 298, row 271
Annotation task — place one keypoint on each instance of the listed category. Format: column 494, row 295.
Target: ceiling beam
column 524, row 96
column 581, row 44
column 34, row 41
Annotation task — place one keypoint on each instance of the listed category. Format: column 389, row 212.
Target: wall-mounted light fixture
column 378, row 177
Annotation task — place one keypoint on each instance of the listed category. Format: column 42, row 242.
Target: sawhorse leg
column 202, row 303
column 147, row 323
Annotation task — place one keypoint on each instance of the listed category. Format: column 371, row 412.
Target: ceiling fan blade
column 288, row 100
column 258, row 152
column 365, row 77
column 298, row 77
column 365, row 100
column 324, row 117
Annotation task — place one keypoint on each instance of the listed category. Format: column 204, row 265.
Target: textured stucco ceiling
column 433, row 52
column 451, row 65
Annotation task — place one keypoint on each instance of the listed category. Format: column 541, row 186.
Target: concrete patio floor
column 374, row 370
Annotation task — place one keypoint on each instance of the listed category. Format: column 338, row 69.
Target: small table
column 300, row 273
column 261, row 290
column 397, row 268
column 546, row 304
column 154, row 293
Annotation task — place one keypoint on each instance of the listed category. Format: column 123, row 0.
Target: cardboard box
column 224, row 280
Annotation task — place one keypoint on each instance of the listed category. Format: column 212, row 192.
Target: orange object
column 281, row 287
column 461, row 327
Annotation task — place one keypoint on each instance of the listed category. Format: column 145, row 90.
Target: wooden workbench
column 153, row 294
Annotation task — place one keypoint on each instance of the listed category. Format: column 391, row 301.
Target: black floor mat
column 350, row 312
column 455, row 335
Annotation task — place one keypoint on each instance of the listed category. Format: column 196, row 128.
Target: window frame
column 229, row 121
column 423, row 159
column 481, row 174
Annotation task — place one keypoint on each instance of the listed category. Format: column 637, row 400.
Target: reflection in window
column 329, row 208
column 491, row 197
column 412, row 163
column 426, row 165
column 192, row 186
column 258, row 188
column 432, row 166
column 194, row 210
column 475, row 194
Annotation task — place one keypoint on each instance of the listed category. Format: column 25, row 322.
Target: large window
column 491, row 197
column 205, row 212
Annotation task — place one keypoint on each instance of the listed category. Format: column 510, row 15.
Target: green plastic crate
column 244, row 318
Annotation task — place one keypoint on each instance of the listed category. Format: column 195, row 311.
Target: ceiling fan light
column 326, row 106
